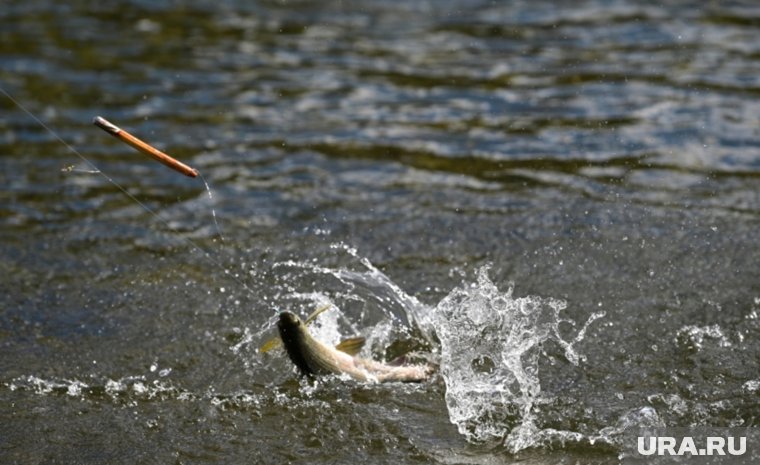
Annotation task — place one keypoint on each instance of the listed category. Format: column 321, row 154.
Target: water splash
column 126, row 390
column 489, row 359
column 213, row 210
column 489, row 341
column 366, row 301
column 695, row 338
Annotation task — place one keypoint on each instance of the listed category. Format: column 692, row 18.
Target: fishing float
column 144, row 147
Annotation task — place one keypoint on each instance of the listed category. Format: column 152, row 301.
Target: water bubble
column 752, row 386
column 75, row 388
column 139, row 387
column 694, row 338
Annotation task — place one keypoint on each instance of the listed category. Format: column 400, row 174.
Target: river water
column 559, row 205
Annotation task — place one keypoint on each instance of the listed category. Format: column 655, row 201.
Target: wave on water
column 127, row 390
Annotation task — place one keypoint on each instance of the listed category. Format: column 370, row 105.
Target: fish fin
column 317, row 312
column 352, row 345
column 275, row 342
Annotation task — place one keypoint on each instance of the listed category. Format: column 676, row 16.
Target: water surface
column 558, row 203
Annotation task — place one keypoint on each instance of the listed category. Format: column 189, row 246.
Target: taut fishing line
column 154, row 213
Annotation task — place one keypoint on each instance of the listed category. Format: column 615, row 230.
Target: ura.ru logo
column 712, row 445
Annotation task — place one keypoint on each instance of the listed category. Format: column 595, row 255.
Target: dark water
column 409, row 163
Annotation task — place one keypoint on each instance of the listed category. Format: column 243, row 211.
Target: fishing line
column 213, row 212
column 95, row 169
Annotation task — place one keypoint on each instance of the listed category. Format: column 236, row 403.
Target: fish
column 315, row 358
column 276, row 342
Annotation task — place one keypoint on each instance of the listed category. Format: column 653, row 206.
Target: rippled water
column 558, row 204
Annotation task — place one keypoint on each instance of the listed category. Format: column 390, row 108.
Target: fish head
column 289, row 323
column 295, row 338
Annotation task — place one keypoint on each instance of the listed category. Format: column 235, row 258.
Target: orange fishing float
column 144, row 147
